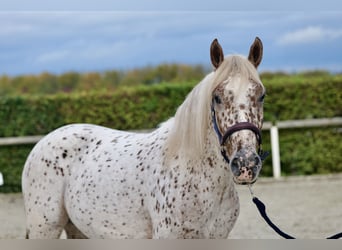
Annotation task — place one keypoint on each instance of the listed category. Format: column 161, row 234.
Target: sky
column 36, row 38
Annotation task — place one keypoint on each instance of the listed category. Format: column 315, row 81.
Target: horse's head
column 237, row 110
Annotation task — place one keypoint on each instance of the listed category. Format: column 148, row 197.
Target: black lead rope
column 262, row 210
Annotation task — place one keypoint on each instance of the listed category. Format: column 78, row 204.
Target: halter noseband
column 237, row 127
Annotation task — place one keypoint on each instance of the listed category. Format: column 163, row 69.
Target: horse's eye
column 261, row 99
column 217, row 99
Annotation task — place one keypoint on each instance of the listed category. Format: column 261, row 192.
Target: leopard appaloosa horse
column 175, row 182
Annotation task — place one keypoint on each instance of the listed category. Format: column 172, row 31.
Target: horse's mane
column 189, row 132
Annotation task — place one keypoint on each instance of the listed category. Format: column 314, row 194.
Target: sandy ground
column 305, row 207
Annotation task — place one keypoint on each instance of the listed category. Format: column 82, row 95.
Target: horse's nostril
column 235, row 162
column 257, row 160
column 235, row 166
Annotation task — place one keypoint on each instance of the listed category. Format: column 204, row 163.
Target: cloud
column 58, row 41
column 10, row 30
column 311, row 34
column 52, row 56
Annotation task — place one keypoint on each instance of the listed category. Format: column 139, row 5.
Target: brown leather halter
column 237, row 127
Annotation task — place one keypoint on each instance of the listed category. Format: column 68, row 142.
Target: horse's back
column 64, row 145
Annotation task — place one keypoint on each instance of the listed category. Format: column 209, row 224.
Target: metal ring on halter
column 237, row 127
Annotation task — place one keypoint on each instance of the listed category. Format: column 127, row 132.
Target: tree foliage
column 47, row 83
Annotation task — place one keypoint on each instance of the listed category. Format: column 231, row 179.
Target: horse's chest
column 196, row 207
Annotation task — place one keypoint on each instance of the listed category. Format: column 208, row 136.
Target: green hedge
column 303, row 151
column 12, row 160
column 136, row 108
column 298, row 97
column 306, row 151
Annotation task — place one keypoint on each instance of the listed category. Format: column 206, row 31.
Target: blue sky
column 37, row 37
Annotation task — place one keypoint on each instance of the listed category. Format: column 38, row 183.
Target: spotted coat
column 84, row 177
column 96, row 182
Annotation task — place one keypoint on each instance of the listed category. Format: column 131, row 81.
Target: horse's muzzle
column 245, row 166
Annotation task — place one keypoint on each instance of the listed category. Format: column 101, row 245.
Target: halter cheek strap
column 237, row 127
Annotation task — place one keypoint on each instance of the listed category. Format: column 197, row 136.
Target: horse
column 177, row 181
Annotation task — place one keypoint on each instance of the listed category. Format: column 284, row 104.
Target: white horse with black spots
column 175, row 182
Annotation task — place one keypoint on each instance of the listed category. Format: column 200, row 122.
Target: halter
column 237, row 127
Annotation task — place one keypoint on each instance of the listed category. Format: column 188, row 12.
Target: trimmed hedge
column 297, row 97
column 12, row 160
column 129, row 108
column 303, row 151
column 306, row 151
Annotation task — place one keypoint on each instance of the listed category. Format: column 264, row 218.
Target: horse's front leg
column 171, row 221
column 164, row 230
column 195, row 216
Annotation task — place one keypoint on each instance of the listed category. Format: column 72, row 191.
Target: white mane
column 191, row 122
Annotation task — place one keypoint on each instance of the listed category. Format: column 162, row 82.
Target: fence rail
column 291, row 124
column 324, row 122
column 7, row 141
column 273, row 128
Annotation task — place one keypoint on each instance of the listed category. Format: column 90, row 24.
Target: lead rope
column 262, row 210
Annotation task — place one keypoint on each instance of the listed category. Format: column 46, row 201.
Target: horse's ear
column 255, row 52
column 216, row 53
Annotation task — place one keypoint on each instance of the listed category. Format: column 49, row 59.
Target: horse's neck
column 209, row 163
column 212, row 143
